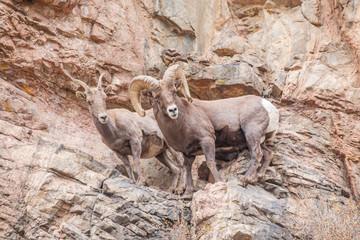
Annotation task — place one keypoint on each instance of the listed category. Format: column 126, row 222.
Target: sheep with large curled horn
column 126, row 133
column 226, row 125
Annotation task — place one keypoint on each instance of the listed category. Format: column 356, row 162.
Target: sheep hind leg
column 256, row 156
column 175, row 171
column 267, row 156
column 126, row 161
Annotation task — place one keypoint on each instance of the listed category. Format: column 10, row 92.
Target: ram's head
column 164, row 91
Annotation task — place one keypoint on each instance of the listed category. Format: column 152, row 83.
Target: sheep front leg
column 182, row 183
column 176, row 156
column 175, row 171
column 125, row 160
column 208, row 148
column 188, row 161
column 136, row 153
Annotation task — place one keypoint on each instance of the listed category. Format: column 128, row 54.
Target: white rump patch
column 273, row 116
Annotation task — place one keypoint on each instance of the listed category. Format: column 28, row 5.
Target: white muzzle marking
column 103, row 118
column 172, row 111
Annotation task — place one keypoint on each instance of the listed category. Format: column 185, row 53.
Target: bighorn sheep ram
column 229, row 124
column 126, row 133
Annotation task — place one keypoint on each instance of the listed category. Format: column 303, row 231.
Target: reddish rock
column 54, row 169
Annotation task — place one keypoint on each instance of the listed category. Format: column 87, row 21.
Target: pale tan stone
column 54, row 170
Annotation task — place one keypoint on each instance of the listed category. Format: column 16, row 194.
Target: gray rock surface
column 72, row 196
column 58, row 180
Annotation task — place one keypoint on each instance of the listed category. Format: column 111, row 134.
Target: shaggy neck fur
column 169, row 127
column 180, row 133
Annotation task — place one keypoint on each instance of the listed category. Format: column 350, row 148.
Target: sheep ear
column 80, row 95
column 154, row 93
column 108, row 89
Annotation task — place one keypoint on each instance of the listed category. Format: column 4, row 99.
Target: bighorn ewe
column 237, row 123
column 126, row 133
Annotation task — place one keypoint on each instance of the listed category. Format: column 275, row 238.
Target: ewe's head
column 163, row 92
column 95, row 98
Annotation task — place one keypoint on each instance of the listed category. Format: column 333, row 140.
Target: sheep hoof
column 141, row 182
column 246, row 180
column 219, row 180
column 189, row 191
column 260, row 177
column 171, row 189
column 187, row 196
column 179, row 191
column 132, row 181
column 242, row 183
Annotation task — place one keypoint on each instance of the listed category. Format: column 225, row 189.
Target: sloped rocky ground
column 58, row 181
column 72, row 196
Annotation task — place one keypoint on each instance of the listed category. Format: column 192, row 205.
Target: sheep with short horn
column 190, row 125
column 126, row 133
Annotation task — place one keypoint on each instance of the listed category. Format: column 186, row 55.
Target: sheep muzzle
column 172, row 111
column 103, row 118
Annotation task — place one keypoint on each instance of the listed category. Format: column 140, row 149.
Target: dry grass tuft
column 180, row 229
column 323, row 219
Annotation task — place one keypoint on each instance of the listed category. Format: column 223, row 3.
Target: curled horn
column 81, row 83
column 174, row 75
column 100, row 83
column 136, row 85
column 86, row 87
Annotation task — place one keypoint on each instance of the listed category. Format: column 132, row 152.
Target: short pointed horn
column 174, row 75
column 81, row 83
column 136, row 85
column 99, row 86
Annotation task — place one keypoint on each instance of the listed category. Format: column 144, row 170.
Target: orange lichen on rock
column 8, row 106
column 28, row 90
column 3, row 66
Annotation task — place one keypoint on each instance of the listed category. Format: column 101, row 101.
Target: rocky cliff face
column 57, row 180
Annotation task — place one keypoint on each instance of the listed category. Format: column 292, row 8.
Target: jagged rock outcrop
column 69, row 195
column 57, row 180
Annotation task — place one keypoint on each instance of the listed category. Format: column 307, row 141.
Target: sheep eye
column 89, row 102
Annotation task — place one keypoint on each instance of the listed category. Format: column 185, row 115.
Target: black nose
column 173, row 110
column 103, row 117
